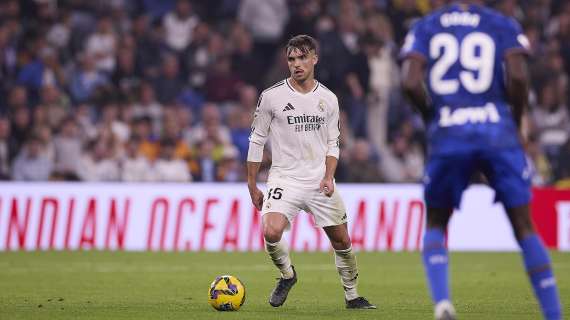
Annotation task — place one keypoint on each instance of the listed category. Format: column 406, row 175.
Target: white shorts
column 285, row 198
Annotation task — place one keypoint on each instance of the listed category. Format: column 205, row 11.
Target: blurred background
column 164, row 90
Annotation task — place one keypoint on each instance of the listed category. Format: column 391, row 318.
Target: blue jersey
column 464, row 47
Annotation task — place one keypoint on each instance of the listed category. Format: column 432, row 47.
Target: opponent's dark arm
column 413, row 85
column 517, row 84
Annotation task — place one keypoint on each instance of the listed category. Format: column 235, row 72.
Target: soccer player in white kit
column 301, row 118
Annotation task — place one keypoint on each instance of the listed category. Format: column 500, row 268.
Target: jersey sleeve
column 416, row 42
column 513, row 39
column 259, row 129
column 333, row 131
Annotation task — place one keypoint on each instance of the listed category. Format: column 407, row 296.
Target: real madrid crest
column 321, row 106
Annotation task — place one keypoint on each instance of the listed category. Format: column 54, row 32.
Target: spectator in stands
column 59, row 34
column 102, row 45
column 17, row 98
column 20, row 126
column 168, row 168
column 278, row 70
column 55, row 103
column 266, row 20
column 337, row 49
column 125, row 77
column 86, row 80
column 141, row 129
column 230, row 168
column 379, row 48
column 110, row 120
column 205, row 48
column 173, row 132
column 179, row 25
column 400, row 163
column 44, row 134
column 239, row 123
column 222, row 85
column 303, row 19
column 204, row 167
column 134, row 166
column 551, row 121
column 148, row 106
column 7, row 149
column 169, row 84
column 147, row 51
column 211, row 124
column 68, row 150
column 402, row 15
column 362, row 168
column 247, row 99
column 542, row 173
column 31, row 163
column 8, row 61
column 41, row 71
column 98, row 163
column 84, row 116
column 245, row 64
column 563, row 170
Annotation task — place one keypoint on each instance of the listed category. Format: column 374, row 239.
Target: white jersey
column 303, row 129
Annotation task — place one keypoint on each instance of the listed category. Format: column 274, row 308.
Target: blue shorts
column 507, row 171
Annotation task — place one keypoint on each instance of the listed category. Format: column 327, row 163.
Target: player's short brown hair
column 303, row 43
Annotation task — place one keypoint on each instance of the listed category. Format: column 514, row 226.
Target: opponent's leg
column 435, row 261
column 345, row 261
column 273, row 226
column 537, row 262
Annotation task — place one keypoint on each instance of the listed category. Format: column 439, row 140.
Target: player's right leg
column 274, row 224
column 537, row 262
column 281, row 204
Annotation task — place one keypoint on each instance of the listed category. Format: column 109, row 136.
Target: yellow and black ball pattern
column 226, row 293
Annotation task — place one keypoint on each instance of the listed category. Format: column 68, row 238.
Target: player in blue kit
column 465, row 70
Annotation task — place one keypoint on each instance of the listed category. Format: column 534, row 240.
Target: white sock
column 345, row 261
column 280, row 256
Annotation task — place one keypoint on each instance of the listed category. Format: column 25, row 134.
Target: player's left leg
column 330, row 214
column 445, row 179
column 435, row 259
column 345, row 261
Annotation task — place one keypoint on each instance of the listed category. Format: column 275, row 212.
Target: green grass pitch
column 119, row 285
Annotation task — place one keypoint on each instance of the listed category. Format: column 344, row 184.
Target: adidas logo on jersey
column 461, row 116
column 288, row 107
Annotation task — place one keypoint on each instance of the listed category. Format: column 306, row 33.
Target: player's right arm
column 414, row 53
column 517, row 84
column 259, row 134
column 515, row 48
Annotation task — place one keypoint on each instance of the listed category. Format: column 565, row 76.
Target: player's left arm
column 518, row 83
column 333, row 150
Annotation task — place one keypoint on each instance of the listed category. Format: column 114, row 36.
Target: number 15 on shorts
column 275, row 193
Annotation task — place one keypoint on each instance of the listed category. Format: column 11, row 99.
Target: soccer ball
column 226, row 293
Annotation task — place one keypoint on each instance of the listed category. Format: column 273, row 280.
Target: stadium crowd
column 164, row 90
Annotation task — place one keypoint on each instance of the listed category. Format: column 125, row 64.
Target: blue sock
column 435, row 263
column 539, row 270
